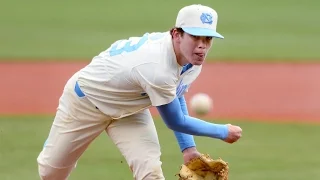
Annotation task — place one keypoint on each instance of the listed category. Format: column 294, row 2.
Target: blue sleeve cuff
column 185, row 140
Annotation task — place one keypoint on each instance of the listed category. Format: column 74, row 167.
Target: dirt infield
column 246, row 91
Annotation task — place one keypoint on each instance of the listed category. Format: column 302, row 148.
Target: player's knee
column 154, row 172
column 147, row 170
column 47, row 172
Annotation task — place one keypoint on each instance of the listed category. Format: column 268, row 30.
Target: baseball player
column 114, row 91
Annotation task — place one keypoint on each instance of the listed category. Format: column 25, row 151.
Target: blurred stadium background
column 284, row 32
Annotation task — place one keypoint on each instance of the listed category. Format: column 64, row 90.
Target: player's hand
column 190, row 153
column 235, row 133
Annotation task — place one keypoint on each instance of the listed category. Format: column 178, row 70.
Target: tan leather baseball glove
column 204, row 168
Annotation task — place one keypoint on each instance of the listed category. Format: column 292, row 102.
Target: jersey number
column 127, row 47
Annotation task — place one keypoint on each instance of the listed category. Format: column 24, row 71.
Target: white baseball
column 201, row 103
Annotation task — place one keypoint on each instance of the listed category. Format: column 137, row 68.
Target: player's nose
column 202, row 43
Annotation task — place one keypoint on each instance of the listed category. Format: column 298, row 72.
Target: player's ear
column 176, row 35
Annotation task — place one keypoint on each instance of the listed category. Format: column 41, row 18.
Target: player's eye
column 208, row 38
column 194, row 37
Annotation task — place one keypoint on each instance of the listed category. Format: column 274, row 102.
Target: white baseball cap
column 198, row 20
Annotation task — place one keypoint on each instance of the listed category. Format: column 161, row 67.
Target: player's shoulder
column 156, row 47
column 158, row 36
column 156, row 74
column 149, row 36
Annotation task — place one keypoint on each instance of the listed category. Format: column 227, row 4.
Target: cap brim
column 202, row 32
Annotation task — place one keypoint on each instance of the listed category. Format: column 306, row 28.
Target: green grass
column 266, row 151
column 286, row 30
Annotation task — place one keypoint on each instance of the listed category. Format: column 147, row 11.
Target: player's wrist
column 224, row 132
column 190, row 153
column 190, row 149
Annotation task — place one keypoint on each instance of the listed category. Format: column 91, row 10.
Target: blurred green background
column 258, row 31
column 267, row 151
column 283, row 30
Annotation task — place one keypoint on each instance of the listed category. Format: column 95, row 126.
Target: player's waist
column 78, row 90
column 115, row 108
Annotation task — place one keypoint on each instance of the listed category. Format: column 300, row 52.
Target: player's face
column 195, row 48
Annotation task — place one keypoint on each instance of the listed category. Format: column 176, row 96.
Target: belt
column 78, row 90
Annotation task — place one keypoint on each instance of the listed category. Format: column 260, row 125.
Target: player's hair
column 180, row 30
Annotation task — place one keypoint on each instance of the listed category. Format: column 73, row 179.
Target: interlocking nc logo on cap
column 206, row 18
column 198, row 20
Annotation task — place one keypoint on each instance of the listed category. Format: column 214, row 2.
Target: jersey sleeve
column 159, row 85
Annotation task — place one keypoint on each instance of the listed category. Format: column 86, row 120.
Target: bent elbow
column 171, row 126
column 176, row 127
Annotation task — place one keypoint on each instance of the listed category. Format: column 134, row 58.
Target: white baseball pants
column 78, row 122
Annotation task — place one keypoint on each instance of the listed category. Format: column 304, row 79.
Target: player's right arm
column 193, row 126
column 161, row 89
column 190, row 125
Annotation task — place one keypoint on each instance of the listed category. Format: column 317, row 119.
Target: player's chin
column 198, row 61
